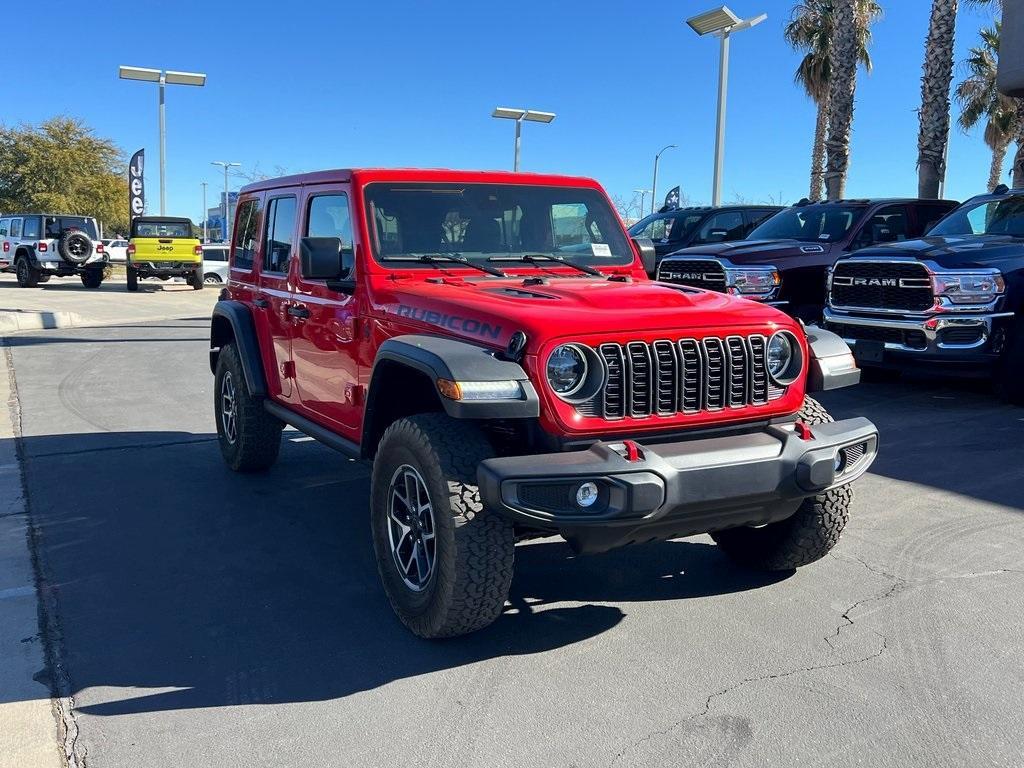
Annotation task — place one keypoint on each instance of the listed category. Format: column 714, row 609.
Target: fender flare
column 831, row 364
column 243, row 332
column 26, row 252
column 445, row 358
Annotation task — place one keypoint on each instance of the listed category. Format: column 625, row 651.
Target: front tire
column 444, row 559
column 808, row 535
column 249, row 437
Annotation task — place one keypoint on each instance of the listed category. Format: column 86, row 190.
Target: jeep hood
column 1003, row 252
column 759, row 251
column 490, row 310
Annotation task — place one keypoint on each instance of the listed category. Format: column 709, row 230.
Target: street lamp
column 205, row 213
column 643, row 194
column 509, row 113
column 227, row 207
column 654, row 186
column 163, row 77
column 721, row 22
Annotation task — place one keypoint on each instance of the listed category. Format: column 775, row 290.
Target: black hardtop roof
column 734, row 207
column 871, row 201
column 157, row 219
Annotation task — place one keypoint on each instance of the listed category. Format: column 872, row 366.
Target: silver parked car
column 215, row 263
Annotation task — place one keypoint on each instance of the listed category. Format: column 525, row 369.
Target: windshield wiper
column 455, row 258
column 529, row 258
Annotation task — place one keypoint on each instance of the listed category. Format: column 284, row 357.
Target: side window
column 887, row 225
column 30, row 228
column 727, row 225
column 15, row 227
column 329, row 217
column 655, row 230
column 755, row 217
column 280, row 229
column 5, row 225
column 247, row 233
column 928, row 215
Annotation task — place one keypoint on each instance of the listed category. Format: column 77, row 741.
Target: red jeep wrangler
column 492, row 343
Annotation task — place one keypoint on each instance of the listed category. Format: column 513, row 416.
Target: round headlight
column 567, row 369
column 780, row 355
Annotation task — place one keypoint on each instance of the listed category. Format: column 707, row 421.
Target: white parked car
column 117, row 250
column 215, row 263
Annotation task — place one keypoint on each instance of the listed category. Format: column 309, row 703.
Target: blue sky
column 322, row 84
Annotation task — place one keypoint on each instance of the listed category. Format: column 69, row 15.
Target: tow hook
column 632, row 451
column 803, row 431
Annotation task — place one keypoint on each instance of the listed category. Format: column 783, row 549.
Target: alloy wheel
column 411, row 528
column 228, row 408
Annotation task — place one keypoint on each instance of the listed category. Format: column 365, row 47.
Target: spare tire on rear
column 74, row 246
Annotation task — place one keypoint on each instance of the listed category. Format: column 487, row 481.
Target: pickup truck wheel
column 444, row 560
column 133, row 279
column 28, row 276
column 1010, row 369
column 808, row 535
column 249, row 437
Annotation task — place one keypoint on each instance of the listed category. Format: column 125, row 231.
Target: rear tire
column 808, row 535
column 250, row 438
column 195, row 279
column 28, row 276
column 133, row 279
column 92, row 278
column 458, row 580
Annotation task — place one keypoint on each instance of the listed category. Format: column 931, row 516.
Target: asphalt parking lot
column 203, row 618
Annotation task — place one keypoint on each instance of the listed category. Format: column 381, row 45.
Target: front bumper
column 677, row 489
column 965, row 338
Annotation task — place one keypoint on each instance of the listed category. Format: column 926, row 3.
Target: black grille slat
column 758, row 369
column 691, row 381
column 893, row 285
column 615, row 381
column 736, row 349
column 665, row 377
column 640, row 377
column 715, row 372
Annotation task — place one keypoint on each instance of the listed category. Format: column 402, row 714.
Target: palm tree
column 842, row 62
column 979, row 99
column 810, row 29
column 934, row 113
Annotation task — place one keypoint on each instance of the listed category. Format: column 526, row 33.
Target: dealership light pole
column 643, row 194
column 510, row 113
column 205, row 216
column 227, row 205
column 654, row 186
column 164, row 78
column 721, row 22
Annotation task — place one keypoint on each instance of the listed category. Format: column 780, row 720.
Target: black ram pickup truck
column 700, row 225
column 785, row 260
column 953, row 299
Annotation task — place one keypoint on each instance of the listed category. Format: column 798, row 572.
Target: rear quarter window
column 245, row 244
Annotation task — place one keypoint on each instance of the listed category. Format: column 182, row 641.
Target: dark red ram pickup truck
column 491, row 342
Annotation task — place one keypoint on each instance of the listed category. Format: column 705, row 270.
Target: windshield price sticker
column 601, row 249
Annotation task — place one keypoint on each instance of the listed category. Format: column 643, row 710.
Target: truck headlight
column 754, row 282
column 567, row 369
column 784, row 358
column 969, row 287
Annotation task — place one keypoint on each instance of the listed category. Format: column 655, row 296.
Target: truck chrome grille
column 696, row 273
column 881, row 285
column 663, row 378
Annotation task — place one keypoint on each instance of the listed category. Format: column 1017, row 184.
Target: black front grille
column 696, row 273
column 912, row 338
column 882, row 285
column 664, row 377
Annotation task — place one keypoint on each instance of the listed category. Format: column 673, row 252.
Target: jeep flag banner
column 136, row 185
column 671, row 199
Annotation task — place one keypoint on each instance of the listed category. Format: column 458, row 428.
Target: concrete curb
column 28, row 320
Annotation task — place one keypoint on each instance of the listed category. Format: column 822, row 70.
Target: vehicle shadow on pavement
column 950, row 434
column 180, row 584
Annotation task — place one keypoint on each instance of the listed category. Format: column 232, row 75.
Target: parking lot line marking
column 17, row 592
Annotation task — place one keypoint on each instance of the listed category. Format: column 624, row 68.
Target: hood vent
column 519, row 293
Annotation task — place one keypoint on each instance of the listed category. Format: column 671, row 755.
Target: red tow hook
column 632, row 450
column 804, row 431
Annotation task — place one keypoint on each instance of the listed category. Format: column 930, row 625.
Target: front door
column 273, row 296
column 325, row 338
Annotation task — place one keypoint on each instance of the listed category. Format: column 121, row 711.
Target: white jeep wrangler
column 38, row 246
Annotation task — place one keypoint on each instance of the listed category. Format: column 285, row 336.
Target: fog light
column 840, row 460
column 586, row 494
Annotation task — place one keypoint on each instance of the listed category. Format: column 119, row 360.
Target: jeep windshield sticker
column 452, row 322
column 601, row 249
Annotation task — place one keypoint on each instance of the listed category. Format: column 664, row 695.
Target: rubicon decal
column 452, row 322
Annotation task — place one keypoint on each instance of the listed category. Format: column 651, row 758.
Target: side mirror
column 648, row 256
column 323, row 258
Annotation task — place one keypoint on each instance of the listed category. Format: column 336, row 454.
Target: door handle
column 261, row 303
column 297, row 310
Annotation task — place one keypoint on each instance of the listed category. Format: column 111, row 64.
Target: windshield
column 481, row 221
column 161, row 229
column 990, row 217
column 57, row 225
column 809, row 223
column 667, row 227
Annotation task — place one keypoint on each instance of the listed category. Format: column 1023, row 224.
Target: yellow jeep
column 163, row 247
